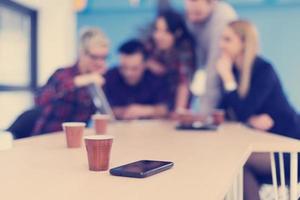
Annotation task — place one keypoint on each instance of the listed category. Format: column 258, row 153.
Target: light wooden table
column 206, row 163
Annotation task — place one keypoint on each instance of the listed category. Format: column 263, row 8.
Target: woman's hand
column 155, row 67
column 224, row 68
column 87, row 79
column 263, row 122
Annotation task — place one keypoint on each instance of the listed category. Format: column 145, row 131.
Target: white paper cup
column 6, row 140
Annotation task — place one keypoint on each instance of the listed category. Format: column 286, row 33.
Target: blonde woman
column 252, row 94
column 65, row 97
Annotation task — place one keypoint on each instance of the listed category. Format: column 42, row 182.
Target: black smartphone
column 141, row 169
column 197, row 127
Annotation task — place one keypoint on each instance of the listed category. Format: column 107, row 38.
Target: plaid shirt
column 61, row 101
column 179, row 63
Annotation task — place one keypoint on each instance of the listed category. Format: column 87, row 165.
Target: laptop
column 100, row 101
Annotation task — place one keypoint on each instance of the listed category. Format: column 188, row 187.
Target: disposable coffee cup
column 100, row 122
column 6, row 140
column 98, row 151
column 74, row 133
column 218, row 117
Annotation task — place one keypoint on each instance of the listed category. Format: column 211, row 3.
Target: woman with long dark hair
column 171, row 53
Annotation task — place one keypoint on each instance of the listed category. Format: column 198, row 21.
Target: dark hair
column 132, row 46
column 177, row 26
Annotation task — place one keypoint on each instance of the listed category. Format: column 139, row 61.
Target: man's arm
column 61, row 83
column 119, row 112
column 138, row 111
column 55, row 89
column 156, row 111
column 182, row 97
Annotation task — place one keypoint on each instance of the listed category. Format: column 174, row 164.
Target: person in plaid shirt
column 171, row 50
column 65, row 97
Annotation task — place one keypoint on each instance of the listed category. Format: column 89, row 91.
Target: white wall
column 56, row 34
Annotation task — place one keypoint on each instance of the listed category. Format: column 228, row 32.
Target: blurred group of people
column 205, row 52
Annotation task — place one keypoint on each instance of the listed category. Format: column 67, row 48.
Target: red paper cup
column 74, row 133
column 100, row 123
column 98, row 151
column 218, row 117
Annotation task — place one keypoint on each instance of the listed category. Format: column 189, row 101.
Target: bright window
column 17, row 47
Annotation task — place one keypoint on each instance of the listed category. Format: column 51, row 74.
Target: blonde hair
column 248, row 34
column 92, row 36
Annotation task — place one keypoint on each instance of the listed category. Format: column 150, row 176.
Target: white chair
column 272, row 192
column 6, row 140
column 282, row 192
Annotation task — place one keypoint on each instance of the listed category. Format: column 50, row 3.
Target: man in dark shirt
column 132, row 90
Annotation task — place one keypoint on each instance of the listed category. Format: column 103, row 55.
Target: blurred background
column 39, row 36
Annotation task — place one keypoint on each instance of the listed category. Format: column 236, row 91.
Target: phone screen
column 194, row 126
column 141, row 168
